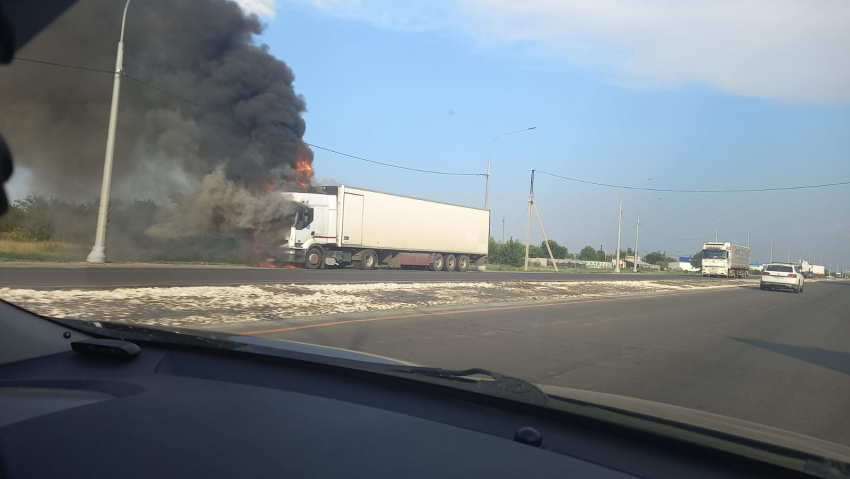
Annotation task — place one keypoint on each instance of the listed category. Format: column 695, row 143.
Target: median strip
column 210, row 305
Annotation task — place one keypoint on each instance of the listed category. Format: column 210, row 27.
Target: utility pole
column 540, row 222
column 98, row 251
column 489, row 158
column 528, row 227
column 771, row 250
column 637, row 232
column 503, row 230
column 717, row 223
column 619, row 226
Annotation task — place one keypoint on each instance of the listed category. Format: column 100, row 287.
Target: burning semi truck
column 338, row 225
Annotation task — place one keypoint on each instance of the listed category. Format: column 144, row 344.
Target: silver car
column 782, row 275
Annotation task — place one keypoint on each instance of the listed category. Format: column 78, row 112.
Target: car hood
column 708, row 429
column 764, row 443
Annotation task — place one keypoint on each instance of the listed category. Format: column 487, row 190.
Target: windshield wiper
column 498, row 385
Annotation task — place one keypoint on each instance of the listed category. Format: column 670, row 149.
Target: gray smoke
column 215, row 159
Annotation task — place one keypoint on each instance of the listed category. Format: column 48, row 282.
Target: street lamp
column 637, row 231
column 789, row 250
column 98, row 251
column 716, row 223
column 489, row 158
column 619, row 225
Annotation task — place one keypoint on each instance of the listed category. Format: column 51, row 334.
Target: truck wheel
column 315, row 258
column 462, row 263
column 368, row 260
column 451, row 262
column 437, row 263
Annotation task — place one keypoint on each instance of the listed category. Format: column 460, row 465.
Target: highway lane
column 38, row 276
column 775, row 358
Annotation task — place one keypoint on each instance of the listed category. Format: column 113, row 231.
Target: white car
column 782, row 275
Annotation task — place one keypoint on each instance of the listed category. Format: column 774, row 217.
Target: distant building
column 685, row 265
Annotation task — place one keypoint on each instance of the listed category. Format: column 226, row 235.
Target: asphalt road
column 775, row 358
column 114, row 276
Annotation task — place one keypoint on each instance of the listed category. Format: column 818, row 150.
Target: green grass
column 11, row 250
column 539, row 269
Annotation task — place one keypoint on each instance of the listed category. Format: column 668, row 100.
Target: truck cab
column 725, row 259
column 314, row 223
column 715, row 261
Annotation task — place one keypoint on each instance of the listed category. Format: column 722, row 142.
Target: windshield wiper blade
column 498, row 385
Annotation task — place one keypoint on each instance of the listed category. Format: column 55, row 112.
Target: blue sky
column 713, row 94
column 412, row 89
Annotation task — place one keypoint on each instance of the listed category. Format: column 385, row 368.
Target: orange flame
column 304, row 168
column 270, row 264
column 269, row 187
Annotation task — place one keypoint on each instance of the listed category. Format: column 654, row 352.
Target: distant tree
column 696, row 260
column 514, row 253
column 494, row 251
column 588, row 254
column 535, row 251
column 600, row 255
column 558, row 251
column 655, row 257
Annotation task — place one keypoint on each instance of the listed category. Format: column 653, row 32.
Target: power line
column 74, row 67
column 391, row 165
column 524, row 211
column 174, row 95
column 670, row 190
column 675, row 238
column 163, row 91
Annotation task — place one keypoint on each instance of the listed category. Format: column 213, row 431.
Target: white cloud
column 786, row 49
column 263, row 8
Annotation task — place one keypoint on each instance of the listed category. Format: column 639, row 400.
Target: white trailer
column 725, row 259
column 341, row 225
column 818, row 271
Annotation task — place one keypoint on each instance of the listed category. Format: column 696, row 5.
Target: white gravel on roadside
column 201, row 305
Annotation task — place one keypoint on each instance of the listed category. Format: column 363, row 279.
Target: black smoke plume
column 214, row 154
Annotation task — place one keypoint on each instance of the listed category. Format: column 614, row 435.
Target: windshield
column 780, row 268
column 513, row 186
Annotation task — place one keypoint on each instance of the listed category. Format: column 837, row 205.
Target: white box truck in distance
column 340, row 225
column 725, row 259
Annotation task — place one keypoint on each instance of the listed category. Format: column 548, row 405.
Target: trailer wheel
column 462, row 263
column 368, row 260
column 437, row 263
column 451, row 263
column 315, row 258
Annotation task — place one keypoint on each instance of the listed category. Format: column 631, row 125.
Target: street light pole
column 619, row 225
column 715, row 226
column 637, row 232
column 490, row 157
column 98, row 251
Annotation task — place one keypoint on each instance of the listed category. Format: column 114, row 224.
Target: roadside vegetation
column 510, row 256
column 38, row 228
